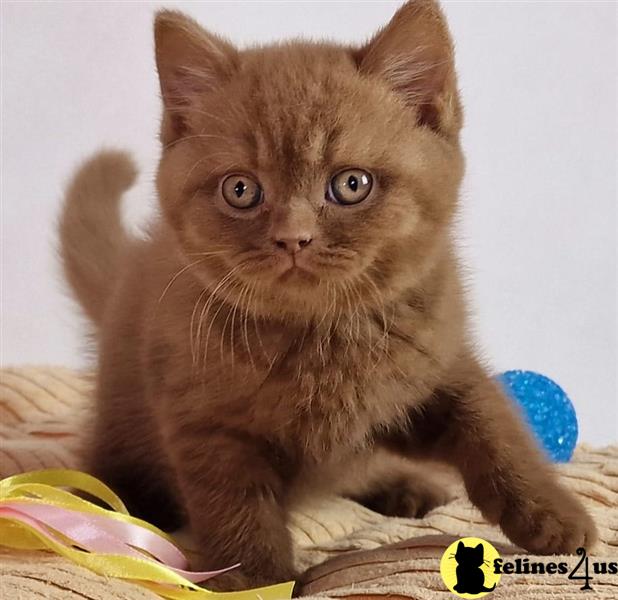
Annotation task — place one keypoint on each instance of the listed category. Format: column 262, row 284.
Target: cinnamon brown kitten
column 294, row 319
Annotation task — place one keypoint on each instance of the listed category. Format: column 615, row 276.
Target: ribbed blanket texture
column 43, row 417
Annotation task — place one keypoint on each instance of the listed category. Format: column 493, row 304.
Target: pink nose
column 292, row 244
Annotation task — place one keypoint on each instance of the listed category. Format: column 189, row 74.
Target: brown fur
column 244, row 383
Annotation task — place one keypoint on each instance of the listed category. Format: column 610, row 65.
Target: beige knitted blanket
column 42, row 413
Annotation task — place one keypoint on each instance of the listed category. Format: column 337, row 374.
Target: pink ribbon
column 96, row 533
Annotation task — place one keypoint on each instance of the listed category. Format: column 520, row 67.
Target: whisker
column 192, row 340
column 224, row 303
column 213, row 253
column 255, row 326
column 221, row 305
column 200, row 136
column 207, row 175
column 221, row 285
column 176, row 276
column 383, row 341
column 250, row 293
column 232, row 325
column 198, row 111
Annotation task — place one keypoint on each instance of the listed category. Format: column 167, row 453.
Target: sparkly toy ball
column 547, row 409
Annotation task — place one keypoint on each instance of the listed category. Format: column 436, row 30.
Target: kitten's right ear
column 191, row 62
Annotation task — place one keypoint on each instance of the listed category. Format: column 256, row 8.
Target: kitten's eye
column 350, row 186
column 240, row 191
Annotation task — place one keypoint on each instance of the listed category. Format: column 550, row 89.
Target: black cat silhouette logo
column 467, row 568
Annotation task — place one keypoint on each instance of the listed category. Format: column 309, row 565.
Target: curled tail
column 92, row 238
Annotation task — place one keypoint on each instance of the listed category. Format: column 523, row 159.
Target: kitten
column 294, row 319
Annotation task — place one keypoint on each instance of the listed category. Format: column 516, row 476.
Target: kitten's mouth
column 296, row 273
column 296, row 270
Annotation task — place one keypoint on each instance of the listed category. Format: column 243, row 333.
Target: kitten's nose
column 292, row 243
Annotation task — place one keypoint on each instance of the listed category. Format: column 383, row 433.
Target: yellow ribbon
column 43, row 487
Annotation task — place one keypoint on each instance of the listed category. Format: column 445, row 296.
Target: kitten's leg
column 403, row 496
column 394, row 486
column 128, row 465
column 234, row 500
column 472, row 424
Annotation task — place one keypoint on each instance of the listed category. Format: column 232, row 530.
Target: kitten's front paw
column 551, row 522
column 234, row 581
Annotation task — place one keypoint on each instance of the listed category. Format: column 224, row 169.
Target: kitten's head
column 310, row 172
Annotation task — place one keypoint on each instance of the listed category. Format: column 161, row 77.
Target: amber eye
column 240, row 191
column 350, row 186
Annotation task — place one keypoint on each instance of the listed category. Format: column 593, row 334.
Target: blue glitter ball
column 547, row 409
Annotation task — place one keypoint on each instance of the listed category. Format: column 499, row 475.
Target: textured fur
column 244, row 376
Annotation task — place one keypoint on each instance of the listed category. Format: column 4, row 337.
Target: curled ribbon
column 36, row 513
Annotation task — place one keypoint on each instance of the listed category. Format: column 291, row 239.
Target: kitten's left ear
column 191, row 62
column 414, row 54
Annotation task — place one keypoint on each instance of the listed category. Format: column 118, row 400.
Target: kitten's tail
column 92, row 238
